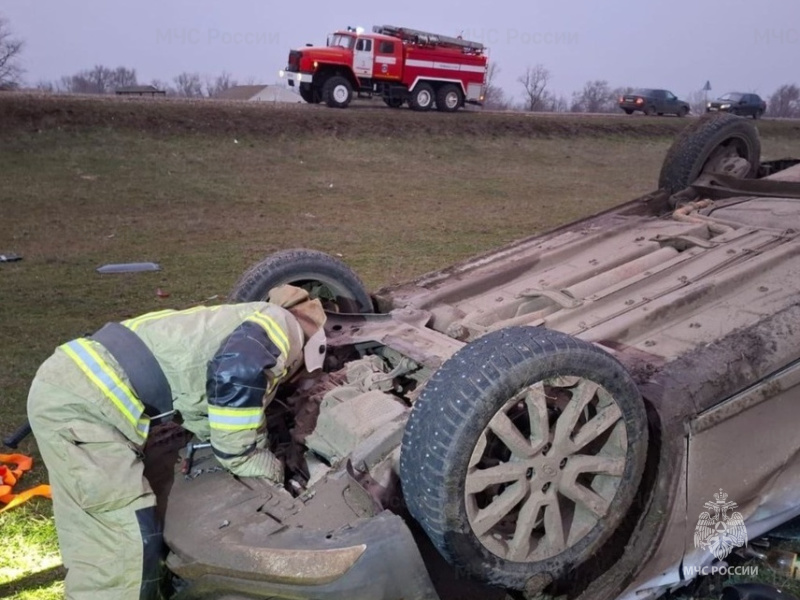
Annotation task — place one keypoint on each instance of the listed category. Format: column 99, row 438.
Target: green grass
column 30, row 565
column 205, row 207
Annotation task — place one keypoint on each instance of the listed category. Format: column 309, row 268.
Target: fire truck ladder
column 425, row 37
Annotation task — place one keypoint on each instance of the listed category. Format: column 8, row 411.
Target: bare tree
column 551, row 102
column 595, row 97
column 220, row 83
column 10, row 50
column 163, row 86
column 784, row 102
column 188, row 85
column 45, row 86
column 97, row 80
column 534, row 82
column 493, row 96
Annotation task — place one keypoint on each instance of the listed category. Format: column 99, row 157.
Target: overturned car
column 579, row 413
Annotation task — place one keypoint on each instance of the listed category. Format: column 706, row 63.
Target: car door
column 362, row 58
column 670, row 103
column 751, row 104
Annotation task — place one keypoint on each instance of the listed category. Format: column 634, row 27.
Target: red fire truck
column 397, row 64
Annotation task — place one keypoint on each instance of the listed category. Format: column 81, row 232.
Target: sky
column 736, row 45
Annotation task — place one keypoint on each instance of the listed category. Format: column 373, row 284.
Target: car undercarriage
column 546, row 419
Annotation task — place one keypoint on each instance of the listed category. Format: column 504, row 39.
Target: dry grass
column 206, row 206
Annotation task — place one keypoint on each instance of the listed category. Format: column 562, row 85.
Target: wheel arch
column 326, row 70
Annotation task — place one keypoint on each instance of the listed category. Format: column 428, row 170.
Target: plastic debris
column 10, row 257
column 129, row 267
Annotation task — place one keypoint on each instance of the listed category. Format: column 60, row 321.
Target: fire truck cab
column 398, row 64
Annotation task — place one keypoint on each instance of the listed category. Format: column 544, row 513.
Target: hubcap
column 545, row 470
column 340, row 93
column 424, row 98
column 451, row 100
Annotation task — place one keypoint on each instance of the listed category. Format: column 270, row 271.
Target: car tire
column 649, row 111
column 682, row 112
column 628, row 111
column 492, row 389
column 324, row 276
column 448, row 98
column 337, row 92
column 758, row 114
column 689, row 154
column 422, row 97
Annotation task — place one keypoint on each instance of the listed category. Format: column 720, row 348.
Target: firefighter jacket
column 223, row 364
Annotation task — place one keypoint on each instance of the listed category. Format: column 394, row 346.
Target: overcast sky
column 742, row 45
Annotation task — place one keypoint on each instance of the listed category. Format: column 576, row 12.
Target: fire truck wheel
column 448, row 98
column 337, row 92
column 421, row 97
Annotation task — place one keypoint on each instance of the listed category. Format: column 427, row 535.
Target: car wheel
column 337, row 92
column 421, row 97
column 628, row 111
column 716, row 142
column 325, row 277
column 649, row 111
column 523, row 454
column 448, row 98
column 682, row 112
column 758, row 114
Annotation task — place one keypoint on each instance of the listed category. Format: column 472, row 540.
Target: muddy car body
column 553, row 416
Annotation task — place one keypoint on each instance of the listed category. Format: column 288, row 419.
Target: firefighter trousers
column 105, row 510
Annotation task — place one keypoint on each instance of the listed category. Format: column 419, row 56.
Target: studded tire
column 451, row 423
column 689, row 154
column 323, row 275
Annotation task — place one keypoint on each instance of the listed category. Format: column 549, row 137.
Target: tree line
column 105, row 80
column 597, row 96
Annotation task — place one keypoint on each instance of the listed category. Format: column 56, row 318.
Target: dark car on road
column 744, row 105
column 653, row 102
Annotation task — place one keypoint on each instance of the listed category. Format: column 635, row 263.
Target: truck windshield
column 343, row 41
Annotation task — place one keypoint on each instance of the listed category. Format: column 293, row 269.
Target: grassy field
column 206, row 202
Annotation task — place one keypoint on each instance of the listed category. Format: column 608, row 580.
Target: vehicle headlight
column 708, row 104
column 281, row 73
column 725, row 106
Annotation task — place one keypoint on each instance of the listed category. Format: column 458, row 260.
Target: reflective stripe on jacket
column 185, row 343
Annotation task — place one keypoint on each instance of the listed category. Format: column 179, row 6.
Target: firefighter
column 93, row 402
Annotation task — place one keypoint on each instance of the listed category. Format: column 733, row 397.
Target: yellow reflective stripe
column 234, row 419
column 226, row 410
column 133, row 324
column 274, row 331
column 103, row 376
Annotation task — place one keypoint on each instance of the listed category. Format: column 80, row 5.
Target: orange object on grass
column 10, row 476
